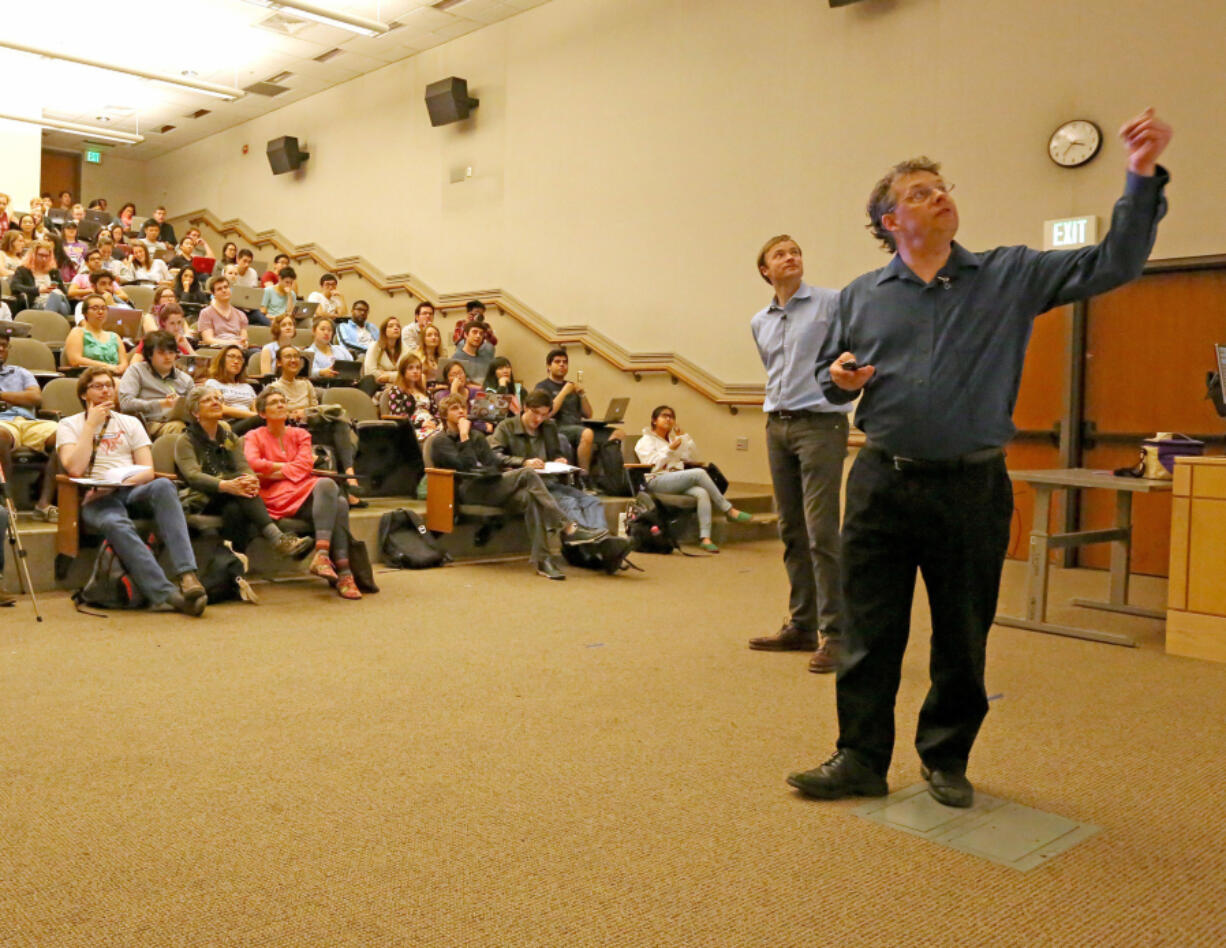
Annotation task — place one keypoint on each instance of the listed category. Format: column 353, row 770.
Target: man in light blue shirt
column 354, row 334
column 806, row 442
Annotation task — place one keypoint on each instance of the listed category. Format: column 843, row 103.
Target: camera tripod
column 18, row 548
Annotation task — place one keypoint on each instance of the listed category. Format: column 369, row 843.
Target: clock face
column 1074, row 143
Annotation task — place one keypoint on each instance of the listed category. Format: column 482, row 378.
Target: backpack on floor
column 109, row 586
column 648, row 527
column 222, row 573
column 404, row 541
column 609, row 555
column 609, row 470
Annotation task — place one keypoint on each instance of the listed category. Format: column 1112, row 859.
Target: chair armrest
column 440, row 499
column 68, row 527
column 49, row 414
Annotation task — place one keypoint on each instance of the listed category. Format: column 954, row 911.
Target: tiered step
column 510, row 540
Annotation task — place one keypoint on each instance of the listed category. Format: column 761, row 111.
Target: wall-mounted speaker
column 447, row 101
column 284, row 155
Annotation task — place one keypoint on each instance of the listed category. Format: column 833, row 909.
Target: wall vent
column 200, row 113
column 165, row 128
column 329, row 54
column 269, row 89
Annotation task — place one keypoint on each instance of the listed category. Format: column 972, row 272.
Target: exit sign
column 93, row 156
column 1070, row 232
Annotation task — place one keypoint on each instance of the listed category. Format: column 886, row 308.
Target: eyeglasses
column 921, row 193
column 99, row 385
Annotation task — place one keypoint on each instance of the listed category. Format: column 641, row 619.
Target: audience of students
column 460, row 447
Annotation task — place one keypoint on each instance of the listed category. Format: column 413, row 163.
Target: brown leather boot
column 787, row 639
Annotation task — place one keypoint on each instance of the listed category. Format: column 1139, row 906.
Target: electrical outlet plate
column 742, row 444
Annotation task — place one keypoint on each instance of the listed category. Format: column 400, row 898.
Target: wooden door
column 1148, row 347
column 61, row 171
column 1040, row 404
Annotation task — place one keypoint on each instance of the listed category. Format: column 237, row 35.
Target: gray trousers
column 806, row 456
column 520, row 491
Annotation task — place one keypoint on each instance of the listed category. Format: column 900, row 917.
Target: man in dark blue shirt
column 935, row 341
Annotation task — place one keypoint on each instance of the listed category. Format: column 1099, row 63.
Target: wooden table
column 1042, row 543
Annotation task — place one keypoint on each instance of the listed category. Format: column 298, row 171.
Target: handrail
column 593, row 340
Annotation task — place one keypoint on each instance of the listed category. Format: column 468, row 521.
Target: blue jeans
column 56, row 302
column 111, row 515
column 698, row 484
column 582, row 508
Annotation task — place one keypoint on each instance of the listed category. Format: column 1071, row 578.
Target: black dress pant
column 953, row 527
column 242, row 518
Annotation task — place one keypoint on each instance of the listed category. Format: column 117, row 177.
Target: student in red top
column 272, row 276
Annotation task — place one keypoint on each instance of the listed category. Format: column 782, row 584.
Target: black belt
column 972, row 459
column 785, row 415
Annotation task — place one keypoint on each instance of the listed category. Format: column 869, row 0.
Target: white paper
column 556, row 467
column 112, row 478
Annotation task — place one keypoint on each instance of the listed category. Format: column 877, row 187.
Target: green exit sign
column 93, row 156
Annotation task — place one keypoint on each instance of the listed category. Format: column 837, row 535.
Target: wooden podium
column 1196, row 595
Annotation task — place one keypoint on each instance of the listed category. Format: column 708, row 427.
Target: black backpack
column 109, row 586
column 405, row 543
column 648, row 527
column 611, row 555
column 609, row 470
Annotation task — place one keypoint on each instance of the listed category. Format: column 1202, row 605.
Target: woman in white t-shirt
column 144, row 268
column 228, row 374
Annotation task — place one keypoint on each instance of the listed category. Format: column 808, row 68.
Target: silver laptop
column 246, row 297
column 613, row 415
column 123, row 320
column 304, row 311
column 14, row 330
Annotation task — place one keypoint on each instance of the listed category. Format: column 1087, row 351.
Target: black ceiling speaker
column 448, row 101
column 284, row 154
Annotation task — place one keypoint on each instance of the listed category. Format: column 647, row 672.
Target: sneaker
column 347, row 587
column 549, row 569
column 290, row 544
column 739, row 517
column 581, row 535
column 841, row 776
column 322, row 567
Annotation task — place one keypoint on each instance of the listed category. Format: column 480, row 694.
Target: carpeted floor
column 480, row 757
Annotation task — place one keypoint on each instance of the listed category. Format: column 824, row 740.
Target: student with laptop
column 91, row 344
column 331, row 302
column 280, row 298
column 244, row 272
column 150, row 388
column 220, row 323
column 324, row 352
column 103, row 284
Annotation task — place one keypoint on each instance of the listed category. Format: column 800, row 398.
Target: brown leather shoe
column 826, row 658
column 787, row 639
column 190, row 587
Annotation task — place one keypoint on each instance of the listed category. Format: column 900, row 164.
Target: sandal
column 709, row 546
column 50, row 513
column 347, row 587
column 322, row 567
column 739, row 517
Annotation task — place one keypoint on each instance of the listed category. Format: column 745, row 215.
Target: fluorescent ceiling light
column 311, row 11
column 192, row 85
column 92, row 131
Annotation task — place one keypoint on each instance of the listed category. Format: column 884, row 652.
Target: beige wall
column 119, row 180
column 630, row 155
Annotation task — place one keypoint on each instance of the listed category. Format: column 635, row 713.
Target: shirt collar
column 803, row 292
column 959, row 258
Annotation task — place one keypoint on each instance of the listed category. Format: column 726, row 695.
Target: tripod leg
column 19, row 550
